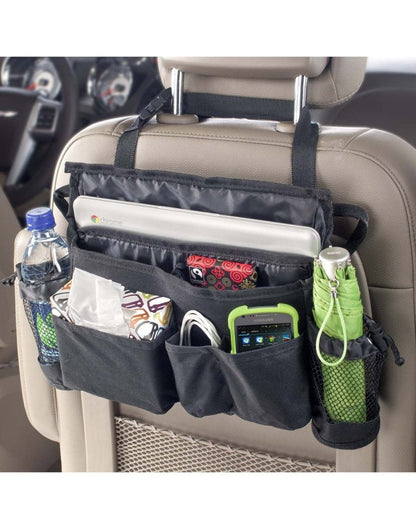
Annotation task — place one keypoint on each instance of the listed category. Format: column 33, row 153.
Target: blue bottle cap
column 40, row 219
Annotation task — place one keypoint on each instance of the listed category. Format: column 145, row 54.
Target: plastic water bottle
column 46, row 258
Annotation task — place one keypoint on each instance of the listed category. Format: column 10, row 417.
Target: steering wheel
column 30, row 124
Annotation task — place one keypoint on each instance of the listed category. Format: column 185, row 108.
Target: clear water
column 46, row 258
column 40, row 273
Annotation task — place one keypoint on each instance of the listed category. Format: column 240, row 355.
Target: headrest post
column 177, row 91
column 301, row 85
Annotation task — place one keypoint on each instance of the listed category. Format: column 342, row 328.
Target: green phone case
column 244, row 310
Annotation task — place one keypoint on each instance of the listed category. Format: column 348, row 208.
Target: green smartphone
column 257, row 327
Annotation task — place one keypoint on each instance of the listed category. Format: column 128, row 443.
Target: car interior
column 207, row 121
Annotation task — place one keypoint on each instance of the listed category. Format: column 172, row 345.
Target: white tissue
column 95, row 302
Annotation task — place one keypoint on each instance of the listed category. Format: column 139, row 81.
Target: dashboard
column 107, row 86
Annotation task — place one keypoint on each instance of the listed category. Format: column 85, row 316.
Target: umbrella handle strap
column 334, row 300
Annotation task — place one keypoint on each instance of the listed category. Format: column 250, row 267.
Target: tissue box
column 148, row 315
column 59, row 302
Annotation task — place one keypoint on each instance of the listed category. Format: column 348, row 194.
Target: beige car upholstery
column 7, row 322
column 386, row 101
column 360, row 166
column 331, row 81
column 21, row 446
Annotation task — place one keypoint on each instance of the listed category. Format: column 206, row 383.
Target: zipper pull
column 9, row 281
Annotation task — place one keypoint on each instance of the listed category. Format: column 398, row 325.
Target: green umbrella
column 338, row 312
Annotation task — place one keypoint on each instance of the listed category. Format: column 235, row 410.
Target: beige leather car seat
column 386, row 100
column 360, row 166
column 21, row 446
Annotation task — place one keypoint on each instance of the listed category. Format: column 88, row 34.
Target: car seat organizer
column 283, row 385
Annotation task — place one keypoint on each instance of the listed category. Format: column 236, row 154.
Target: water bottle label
column 45, row 331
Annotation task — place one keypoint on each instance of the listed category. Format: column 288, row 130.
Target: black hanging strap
column 304, row 141
column 59, row 198
column 304, row 145
column 223, row 106
column 360, row 232
column 63, row 201
column 126, row 148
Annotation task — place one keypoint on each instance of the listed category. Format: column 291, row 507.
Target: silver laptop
column 189, row 226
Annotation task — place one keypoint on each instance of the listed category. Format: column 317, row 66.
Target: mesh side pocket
column 345, row 404
column 37, row 308
column 39, row 316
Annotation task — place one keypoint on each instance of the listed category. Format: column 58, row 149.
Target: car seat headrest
column 331, row 80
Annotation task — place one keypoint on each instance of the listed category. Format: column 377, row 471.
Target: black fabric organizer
column 274, row 386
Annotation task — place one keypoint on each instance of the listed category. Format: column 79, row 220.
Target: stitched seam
column 333, row 83
column 409, row 216
column 400, row 189
column 67, row 148
column 240, row 139
column 21, row 321
column 391, row 288
column 215, row 137
column 358, row 135
column 19, row 324
column 116, row 131
column 335, row 101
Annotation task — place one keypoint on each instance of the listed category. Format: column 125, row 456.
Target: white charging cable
column 192, row 319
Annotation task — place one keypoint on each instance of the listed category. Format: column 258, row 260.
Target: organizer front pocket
column 270, row 386
column 120, row 369
column 213, row 304
column 199, row 380
column 345, row 404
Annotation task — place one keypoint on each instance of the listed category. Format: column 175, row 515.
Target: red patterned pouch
column 218, row 274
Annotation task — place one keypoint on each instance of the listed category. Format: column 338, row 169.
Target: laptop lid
column 184, row 225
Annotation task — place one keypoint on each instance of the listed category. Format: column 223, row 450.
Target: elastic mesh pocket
column 349, row 391
column 40, row 320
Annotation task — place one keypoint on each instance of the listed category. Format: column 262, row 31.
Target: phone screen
column 251, row 337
